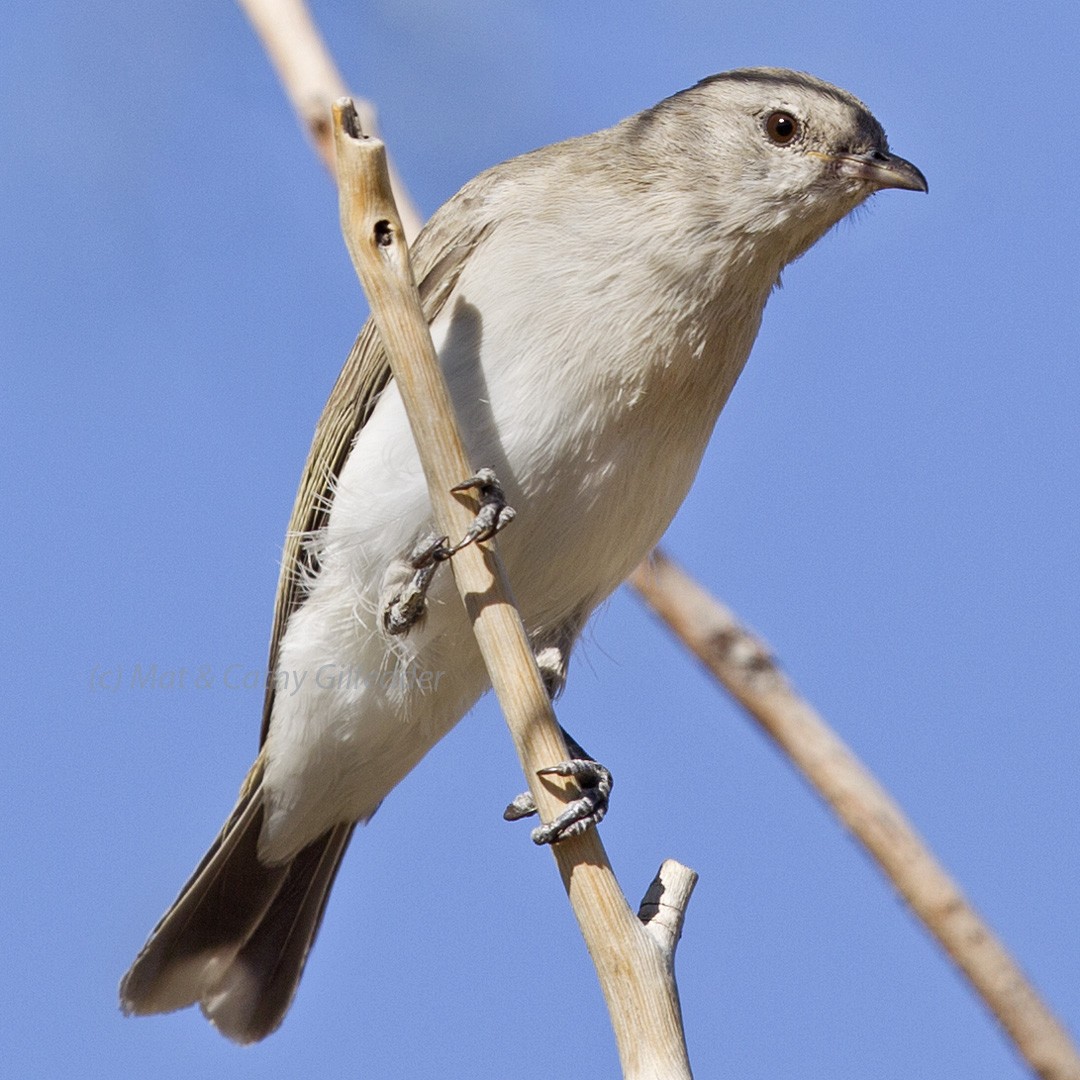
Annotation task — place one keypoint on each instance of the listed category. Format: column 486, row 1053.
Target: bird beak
column 882, row 170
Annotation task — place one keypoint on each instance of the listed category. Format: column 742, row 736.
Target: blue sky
column 890, row 499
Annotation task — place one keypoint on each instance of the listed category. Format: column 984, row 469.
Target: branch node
column 663, row 907
column 384, row 233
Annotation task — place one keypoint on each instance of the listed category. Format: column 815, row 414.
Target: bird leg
column 405, row 607
column 594, row 780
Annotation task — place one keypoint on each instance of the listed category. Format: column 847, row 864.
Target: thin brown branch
column 313, row 83
column 744, row 666
column 634, row 969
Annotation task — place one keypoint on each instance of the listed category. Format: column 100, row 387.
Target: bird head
column 774, row 154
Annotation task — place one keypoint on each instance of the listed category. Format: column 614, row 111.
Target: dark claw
column 492, row 517
column 523, row 806
column 435, row 553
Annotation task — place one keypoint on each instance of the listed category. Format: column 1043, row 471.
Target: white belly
column 595, row 452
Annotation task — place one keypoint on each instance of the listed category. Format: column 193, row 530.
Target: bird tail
column 236, row 938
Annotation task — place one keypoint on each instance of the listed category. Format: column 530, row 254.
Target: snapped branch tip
column 347, row 118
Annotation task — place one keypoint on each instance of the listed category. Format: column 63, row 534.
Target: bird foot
column 406, row 607
column 494, row 513
column 595, row 783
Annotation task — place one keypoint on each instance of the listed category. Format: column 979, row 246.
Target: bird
column 592, row 304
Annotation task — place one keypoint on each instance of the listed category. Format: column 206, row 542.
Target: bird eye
column 781, row 127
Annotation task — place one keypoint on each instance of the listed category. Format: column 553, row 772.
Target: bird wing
column 440, row 253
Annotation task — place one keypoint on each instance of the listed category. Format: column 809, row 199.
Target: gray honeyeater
column 592, row 304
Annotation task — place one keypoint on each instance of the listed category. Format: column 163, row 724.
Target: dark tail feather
column 238, row 935
column 255, row 992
